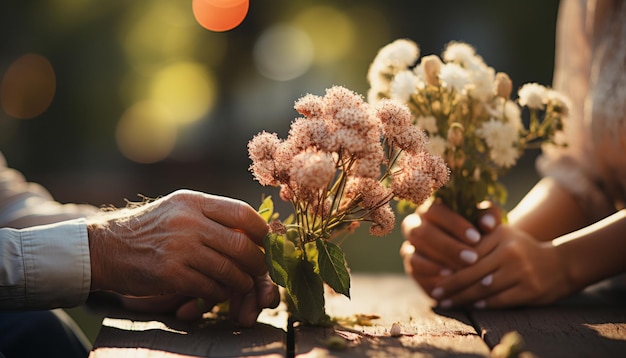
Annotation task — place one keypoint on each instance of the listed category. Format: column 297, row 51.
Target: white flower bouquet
column 465, row 108
column 342, row 164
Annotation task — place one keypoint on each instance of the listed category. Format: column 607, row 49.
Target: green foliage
column 275, row 258
column 332, row 267
column 266, row 210
column 306, row 291
column 303, row 270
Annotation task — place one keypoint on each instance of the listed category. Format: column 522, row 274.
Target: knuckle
column 238, row 244
column 222, row 268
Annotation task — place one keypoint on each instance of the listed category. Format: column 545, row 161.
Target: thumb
column 489, row 217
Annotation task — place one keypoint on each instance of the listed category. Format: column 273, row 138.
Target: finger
column 452, row 223
column 436, row 244
column 234, row 306
column 237, row 246
column 422, row 266
column 267, row 292
column 426, row 281
column 463, row 279
column 476, row 294
column 235, row 214
column 193, row 309
column 489, row 217
column 193, row 283
column 165, row 303
column 221, row 268
column 249, row 310
column 511, row 297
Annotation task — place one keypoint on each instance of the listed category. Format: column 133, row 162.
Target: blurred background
column 103, row 101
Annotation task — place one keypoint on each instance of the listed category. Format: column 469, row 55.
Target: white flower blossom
column 504, row 156
column 533, row 96
column 436, row 145
column 482, row 78
column 497, row 133
column 459, row 52
column 401, row 53
column 454, row 76
column 427, row 123
column 403, row 85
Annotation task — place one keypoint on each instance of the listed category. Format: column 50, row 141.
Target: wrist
column 96, row 233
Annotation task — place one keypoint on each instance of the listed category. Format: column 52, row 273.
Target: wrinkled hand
column 187, row 244
column 459, row 267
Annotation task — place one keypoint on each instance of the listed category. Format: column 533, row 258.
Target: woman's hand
column 516, row 269
column 503, row 267
column 440, row 242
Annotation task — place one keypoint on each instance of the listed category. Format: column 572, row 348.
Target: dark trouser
column 41, row 334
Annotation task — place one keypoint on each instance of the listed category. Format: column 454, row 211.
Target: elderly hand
column 189, row 244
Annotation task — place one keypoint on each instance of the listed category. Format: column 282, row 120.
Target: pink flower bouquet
column 342, row 164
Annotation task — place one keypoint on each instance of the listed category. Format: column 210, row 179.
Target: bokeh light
column 220, row 15
column 28, row 86
column 187, row 90
column 331, row 31
column 146, row 133
column 155, row 32
column 283, row 52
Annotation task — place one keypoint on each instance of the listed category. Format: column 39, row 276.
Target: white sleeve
column 45, row 267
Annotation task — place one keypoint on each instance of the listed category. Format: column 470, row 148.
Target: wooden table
column 592, row 324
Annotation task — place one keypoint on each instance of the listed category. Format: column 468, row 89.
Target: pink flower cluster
column 344, row 160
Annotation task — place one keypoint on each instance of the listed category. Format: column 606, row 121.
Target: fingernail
column 445, row 304
column 469, row 256
column 472, row 235
column 480, row 304
column 488, row 220
column 445, row 272
column 437, row 292
column 487, row 280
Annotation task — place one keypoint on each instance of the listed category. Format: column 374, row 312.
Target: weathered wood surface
column 395, row 299
column 126, row 334
column 589, row 325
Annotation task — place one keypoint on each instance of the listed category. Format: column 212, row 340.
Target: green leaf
column 312, row 255
column 275, row 258
column 306, row 290
column 332, row 267
column 267, row 209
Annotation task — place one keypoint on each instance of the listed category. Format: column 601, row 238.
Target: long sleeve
column 44, row 248
column 589, row 69
column 45, row 266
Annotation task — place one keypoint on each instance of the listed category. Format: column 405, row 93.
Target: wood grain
column 125, row 334
column 396, row 299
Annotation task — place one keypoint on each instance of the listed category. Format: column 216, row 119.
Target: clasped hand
column 491, row 265
column 184, row 246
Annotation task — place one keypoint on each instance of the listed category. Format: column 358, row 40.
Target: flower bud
column 455, row 134
column 503, row 85
column 431, row 65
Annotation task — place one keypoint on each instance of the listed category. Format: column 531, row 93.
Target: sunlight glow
column 220, row 15
column 28, row 87
column 331, row 31
column 283, row 53
column 145, row 133
column 187, row 90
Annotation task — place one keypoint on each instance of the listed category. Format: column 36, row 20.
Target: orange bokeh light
column 220, row 15
column 28, row 87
